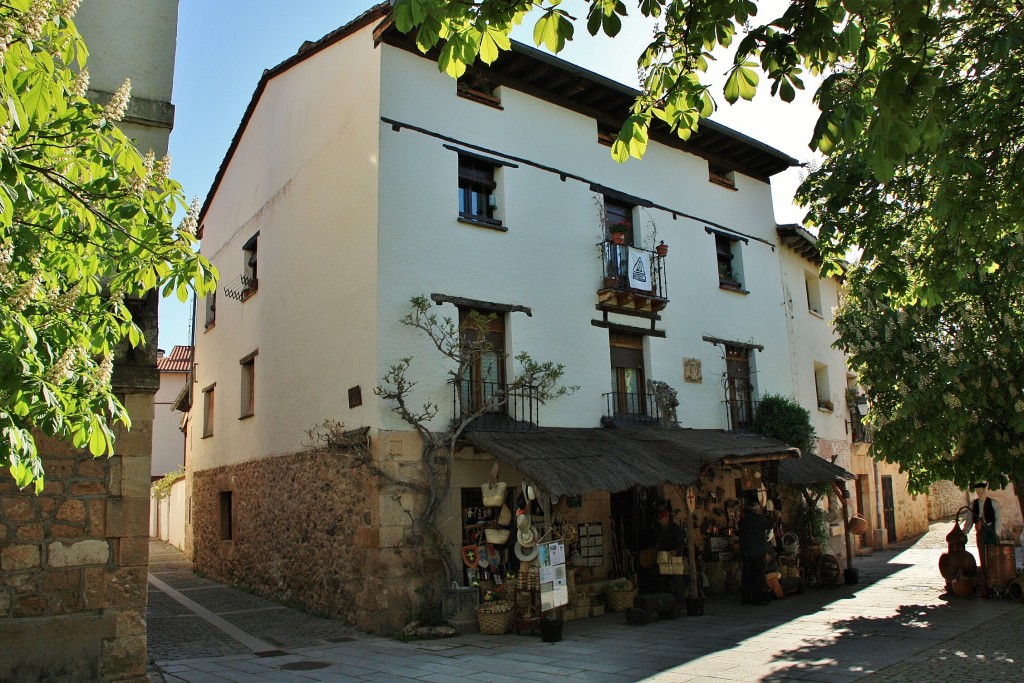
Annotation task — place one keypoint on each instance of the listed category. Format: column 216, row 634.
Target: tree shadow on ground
column 952, row 643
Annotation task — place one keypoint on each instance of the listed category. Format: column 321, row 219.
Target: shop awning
column 568, row 461
column 811, row 469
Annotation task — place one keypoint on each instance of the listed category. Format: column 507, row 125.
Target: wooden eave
column 542, row 75
column 801, row 241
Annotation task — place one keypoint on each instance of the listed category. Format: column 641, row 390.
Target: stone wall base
column 306, row 530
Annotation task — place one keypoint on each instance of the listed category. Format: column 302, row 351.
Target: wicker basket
column 620, row 601
column 497, row 536
column 495, row 617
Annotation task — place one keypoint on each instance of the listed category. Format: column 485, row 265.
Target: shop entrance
column 634, row 514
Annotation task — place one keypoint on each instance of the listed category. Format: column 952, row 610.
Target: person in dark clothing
column 670, row 538
column 753, row 529
column 670, row 534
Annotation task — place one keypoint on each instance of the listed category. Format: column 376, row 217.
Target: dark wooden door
column 888, row 509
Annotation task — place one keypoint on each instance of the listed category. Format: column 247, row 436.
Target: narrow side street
column 896, row 625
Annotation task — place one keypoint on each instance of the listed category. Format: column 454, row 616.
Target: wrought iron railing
column 861, row 433
column 615, row 261
column 740, row 413
column 497, row 407
column 627, row 408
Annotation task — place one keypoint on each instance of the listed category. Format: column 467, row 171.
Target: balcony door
column 628, row 384
column 482, row 386
column 739, row 390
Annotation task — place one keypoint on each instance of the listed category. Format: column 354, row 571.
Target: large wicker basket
column 621, row 600
column 495, row 617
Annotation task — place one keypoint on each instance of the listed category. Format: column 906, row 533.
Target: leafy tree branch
column 86, row 224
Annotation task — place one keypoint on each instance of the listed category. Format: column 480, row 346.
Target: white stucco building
column 168, row 438
column 361, row 177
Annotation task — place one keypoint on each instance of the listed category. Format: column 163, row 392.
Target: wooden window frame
column 477, row 178
column 719, row 175
column 495, row 334
column 250, row 270
column 209, row 410
column 628, row 344
column 739, row 385
column 812, row 287
column 248, row 385
column 210, row 305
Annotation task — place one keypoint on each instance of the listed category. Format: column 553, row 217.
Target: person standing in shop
column 753, row 528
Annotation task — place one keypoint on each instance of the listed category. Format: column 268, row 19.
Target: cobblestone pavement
column 895, row 626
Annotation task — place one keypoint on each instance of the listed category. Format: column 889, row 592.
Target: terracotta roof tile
column 178, row 360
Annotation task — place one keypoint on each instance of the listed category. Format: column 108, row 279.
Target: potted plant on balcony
column 662, row 248
column 618, row 232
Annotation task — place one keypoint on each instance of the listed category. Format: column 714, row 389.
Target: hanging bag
column 494, row 491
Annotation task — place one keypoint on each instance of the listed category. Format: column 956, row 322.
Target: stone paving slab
column 895, row 626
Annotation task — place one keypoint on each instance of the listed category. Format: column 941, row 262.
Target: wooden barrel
column 1000, row 567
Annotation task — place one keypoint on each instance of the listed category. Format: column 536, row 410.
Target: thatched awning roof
column 573, row 460
column 811, row 469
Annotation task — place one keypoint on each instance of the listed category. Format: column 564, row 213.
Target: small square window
column 208, row 406
column 476, row 87
column 719, row 175
column 606, row 134
column 477, row 184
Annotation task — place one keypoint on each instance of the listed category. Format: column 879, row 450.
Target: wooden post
column 846, row 525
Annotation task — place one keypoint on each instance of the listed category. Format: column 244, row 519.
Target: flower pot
column 662, row 249
column 619, row 237
column 851, row 576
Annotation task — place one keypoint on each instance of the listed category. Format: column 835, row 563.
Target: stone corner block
column 88, row 552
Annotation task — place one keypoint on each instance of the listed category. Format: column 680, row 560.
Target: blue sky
column 224, row 46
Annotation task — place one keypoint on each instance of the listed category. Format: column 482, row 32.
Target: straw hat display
column 526, row 542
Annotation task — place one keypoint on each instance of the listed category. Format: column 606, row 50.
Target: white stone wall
column 305, row 178
column 811, row 339
column 168, row 439
column 547, row 260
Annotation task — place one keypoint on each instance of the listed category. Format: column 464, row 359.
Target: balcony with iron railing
column 739, row 414
column 629, row 409
column 497, row 406
column 858, row 431
column 618, row 290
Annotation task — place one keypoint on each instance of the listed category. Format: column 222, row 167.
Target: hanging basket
column 494, row 494
column 858, row 525
column 495, row 617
